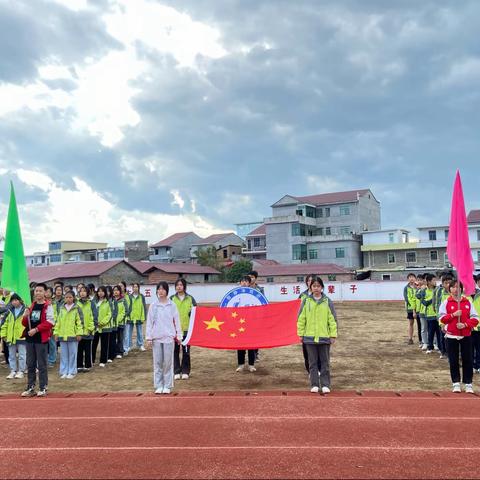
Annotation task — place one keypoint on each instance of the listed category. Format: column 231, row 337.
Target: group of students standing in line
column 447, row 321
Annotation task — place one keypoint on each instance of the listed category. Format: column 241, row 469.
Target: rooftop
column 169, row 241
column 261, row 230
column 192, row 268
column 214, row 238
column 473, row 216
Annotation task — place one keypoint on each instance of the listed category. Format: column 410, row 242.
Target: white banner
column 282, row 292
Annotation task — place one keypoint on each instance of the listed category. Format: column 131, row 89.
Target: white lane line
column 240, row 417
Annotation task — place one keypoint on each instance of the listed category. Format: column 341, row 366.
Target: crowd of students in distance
column 447, row 322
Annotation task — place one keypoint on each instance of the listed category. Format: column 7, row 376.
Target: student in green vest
column 430, row 315
column 410, row 297
column 302, row 297
column 421, row 310
column 184, row 302
column 90, row 323
column 138, row 315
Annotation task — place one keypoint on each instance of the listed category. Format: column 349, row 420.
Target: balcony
column 292, row 219
column 261, row 249
column 332, row 238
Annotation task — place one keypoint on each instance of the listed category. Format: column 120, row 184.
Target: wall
column 369, row 213
column 327, row 253
column 279, row 242
column 380, row 258
column 121, row 272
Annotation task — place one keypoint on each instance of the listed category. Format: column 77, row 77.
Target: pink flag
column 458, row 246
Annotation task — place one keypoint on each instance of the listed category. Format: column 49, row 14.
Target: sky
column 136, row 119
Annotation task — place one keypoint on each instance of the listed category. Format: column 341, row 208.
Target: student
column 440, row 294
column 67, row 288
column 57, row 303
column 317, row 328
column 38, row 320
column 90, row 323
column 254, row 278
column 49, row 295
column 112, row 338
column 68, row 330
column 184, row 302
column 302, row 297
column 121, row 311
column 459, row 316
column 4, row 309
column 476, row 334
column 138, row 315
column 422, row 309
column 12, row 333
column 104, row 316
column 246, row 282
column 91, row 291
column 430, row 315
column 163, row 329
column 409, row 295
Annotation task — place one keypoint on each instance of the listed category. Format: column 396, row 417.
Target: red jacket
column 469, row 316
column 46, row 322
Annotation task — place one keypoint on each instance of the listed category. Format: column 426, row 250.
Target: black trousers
column 37, row 354
column 104, row 346
column 5, row 350
column 305, row 357
column 241, row 357
column 184, row 365
column 476, row 349
column 96, row 340
column 112, row 345
column 464, row 348
column 119, row 341
column 84, row 354
column 419, row 328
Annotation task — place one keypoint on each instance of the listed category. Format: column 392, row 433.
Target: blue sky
column 134, row 119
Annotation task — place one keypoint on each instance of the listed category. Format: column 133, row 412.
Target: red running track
column 238, row 435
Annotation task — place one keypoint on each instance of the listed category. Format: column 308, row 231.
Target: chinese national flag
column 244, row 328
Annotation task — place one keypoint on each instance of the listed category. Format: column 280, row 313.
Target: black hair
column 317, row 279
column 32, row 284
column 68, row 286
column 421, row 276
column 246, row 278
column 109, row 291
column 183, row 282
column 254, row 273
column 70, row 292
column 410, row 275
column 163, row 285
column 104, row 290
column 117, row 287
column 137, row 284
column 58, row 282
column 309, row 277
column 16, row 296
column 454, row 282
column 124, row 285
column 429, row 277
column 42, row 285
column 447, row 277
column 91, row 289
column 57, row 286
column 80, row 284
column 83, row 288
column 49, row 288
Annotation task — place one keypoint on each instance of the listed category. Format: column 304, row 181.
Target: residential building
column 297, row 273
column 60, row 252
column 256, row 242
column 169, row 272
column 136, row 250
column 218, row 241
column 321, row 229
column 243, row 229
column 98, row 273
column 175, row 248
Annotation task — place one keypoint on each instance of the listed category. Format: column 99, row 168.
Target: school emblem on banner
column 243, row 297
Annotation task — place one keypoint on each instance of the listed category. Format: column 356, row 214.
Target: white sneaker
column 429, row 352
column 456, row 388
column 125, row 353
column 101, row 365
column 70, row 376
column 64, row 375
column 177, row 376
column 325, row 390
column 435, row 348
column 185, row 376
column 314, row 389
column 424, row 347
column 469, row 388
column 240, row 368
column 42, row 393
column 251, row 369
column 118, row 356
column 142, row 348
column 109, row 361
column 166, row 390
column 11, row 375
column 159, row 391
column 19, row 375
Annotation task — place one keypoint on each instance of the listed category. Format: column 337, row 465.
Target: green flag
column 14, row 271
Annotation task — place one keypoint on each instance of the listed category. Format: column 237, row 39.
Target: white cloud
column 177, row 199
column 462, row 73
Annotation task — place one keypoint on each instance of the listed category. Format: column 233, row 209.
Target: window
column 55, row 258
column 269, row 279
column 298, row 230
column 391, row 237
column 54, row 246
column 345, row 230
column 256, row 242
column 300, row 279
column 432, row 235
column 446, row 234
column 327, row 211
column 205, row 277
column 391, row 258
column 225, row 254
column 339, row 253
column 478, row 256
column 105, row 256
column 344, row 210
column 320, row 212
column 478, row 235
column 433, row 255
column 311, row 212
column 299, row 252
column 320, row 231
column 313, row 254
column 445, row 259
column 156, row 251
column 299, row 212
column 386, row 276
column 328, row 231
column 411, row 257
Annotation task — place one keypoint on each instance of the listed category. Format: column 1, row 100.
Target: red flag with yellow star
column 244, row 328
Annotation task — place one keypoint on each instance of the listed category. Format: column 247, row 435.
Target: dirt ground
column 371, row 353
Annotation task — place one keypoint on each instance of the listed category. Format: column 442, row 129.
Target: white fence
column 281, row 292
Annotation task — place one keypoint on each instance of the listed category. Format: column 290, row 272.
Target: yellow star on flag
column 233, row 335
column 241, row 329
column 234, row 314
column 242, row 320
column 213, row 324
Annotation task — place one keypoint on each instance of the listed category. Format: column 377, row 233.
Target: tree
column 238, row 270
column 207, row 257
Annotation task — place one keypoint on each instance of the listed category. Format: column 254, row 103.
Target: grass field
column 371, row 353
